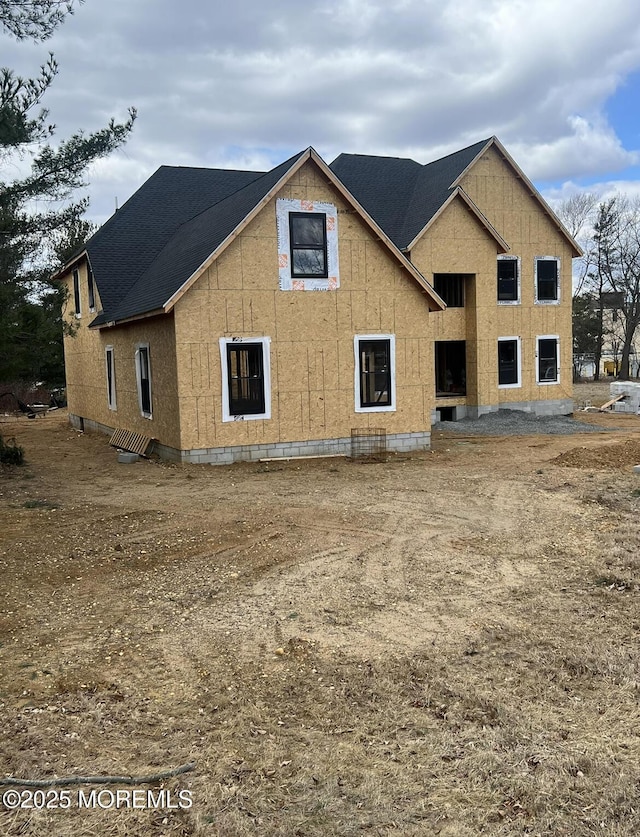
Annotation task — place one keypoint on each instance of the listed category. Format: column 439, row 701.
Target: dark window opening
column 245, row 371
column 145, row 380
column 507, row 362
column 90, row 287
column 507, row 280
column 375, row 373
column 548, row 359
column 76, row 291
column 547, row 280
column 111, row 390
column 450, row 287
column 446, row 413
column 451, row 368
column 308, row 238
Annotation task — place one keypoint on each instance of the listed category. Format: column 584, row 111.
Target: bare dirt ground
column 446, row 643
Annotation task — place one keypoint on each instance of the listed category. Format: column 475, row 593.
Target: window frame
column 140, row 348
column 537, row 261
column 390, row 339
column 556, row 339
column 77, row 297
column 265, row 343
column 518, row 342
column 91, row 289
column 322, row 248
column 289, row 281
column 518, row 263
column 110, row 367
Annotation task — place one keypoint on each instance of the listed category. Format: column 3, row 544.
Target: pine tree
column 31, row 238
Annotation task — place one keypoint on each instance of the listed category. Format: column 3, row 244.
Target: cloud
column 249, row 83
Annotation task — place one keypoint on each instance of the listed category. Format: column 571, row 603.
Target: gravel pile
column 518, row 423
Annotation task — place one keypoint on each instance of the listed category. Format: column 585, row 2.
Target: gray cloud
column 246, row 84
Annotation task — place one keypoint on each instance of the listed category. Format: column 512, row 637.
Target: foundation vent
column 369, row 443
column 133, row 442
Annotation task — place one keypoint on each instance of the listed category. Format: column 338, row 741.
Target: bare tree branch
column 98, row 780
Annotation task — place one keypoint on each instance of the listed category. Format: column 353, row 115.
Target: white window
column 143, row 379
column 547, row 270
column 508, row 280
column 375, row 373
column 307, row 245
column 548, row 359
column 111, row 377
column 76, row 293
column 246, row 378
column 509, row 363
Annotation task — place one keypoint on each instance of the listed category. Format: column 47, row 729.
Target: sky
column 246, row 84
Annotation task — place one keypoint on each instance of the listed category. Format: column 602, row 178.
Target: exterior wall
column 311, row 333
column 452, row 245
column 87, row 378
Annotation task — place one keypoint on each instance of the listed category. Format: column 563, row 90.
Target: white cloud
column 249, row 83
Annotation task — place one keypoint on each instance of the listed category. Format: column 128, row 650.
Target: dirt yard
column 441, row 644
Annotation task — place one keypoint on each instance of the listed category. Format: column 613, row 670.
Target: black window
column 144, row 377
column 450, row 287
column 76, row 292
column 507, row 280
column 90, row 287
column 507, row 362
column 245, row 373
column 547, row 280
column 308, row 237
column 548, row 359
column 375, row 373
column 111, row 383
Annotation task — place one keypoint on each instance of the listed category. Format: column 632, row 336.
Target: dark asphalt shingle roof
column 122, row 249
column 402, row 195
column 145, row 252
column 193, row 242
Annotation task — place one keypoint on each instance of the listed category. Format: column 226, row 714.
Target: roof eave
column 69, row 266
column 156, row 312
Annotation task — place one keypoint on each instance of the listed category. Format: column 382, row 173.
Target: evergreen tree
column 34, row 242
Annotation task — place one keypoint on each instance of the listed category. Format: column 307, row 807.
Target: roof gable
column 531, row 189
column 191, row 246
column 402, row 195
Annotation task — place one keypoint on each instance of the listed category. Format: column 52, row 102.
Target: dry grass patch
column 424, row 649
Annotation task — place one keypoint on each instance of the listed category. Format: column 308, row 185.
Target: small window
column 509, row 362
column 508, row 279
column 450, row 288
column 143, row 375
column 308, row 238
column 547, row 279
column 245, row 379
column 111, row 377
column 76, row 293
column 547, row 367
column 375, row 373
column 91, row 289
